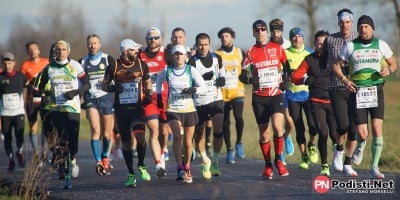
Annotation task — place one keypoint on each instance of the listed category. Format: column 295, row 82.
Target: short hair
column 226, row 30
column 93, row 35
column 321, row 33
column 344, row 10
column 28, row 44
column 178, row 29
column 276, row 24
column 202, row 36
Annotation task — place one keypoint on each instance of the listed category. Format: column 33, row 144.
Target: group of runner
column 179, row 90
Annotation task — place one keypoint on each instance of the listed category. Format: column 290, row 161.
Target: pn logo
column 321, row 184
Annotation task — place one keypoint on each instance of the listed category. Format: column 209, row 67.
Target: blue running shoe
column 239, row 150
column 230, row 157
column 289, row 147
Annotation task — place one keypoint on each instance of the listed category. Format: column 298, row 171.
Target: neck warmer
column 12, row 73
column 227, row 49
column 96, row 56
column 363, row 41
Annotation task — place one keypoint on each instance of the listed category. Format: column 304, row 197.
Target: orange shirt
column 31, row 68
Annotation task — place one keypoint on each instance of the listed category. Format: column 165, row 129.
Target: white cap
column 129, row 44
column 153, row 29
column 179, row 48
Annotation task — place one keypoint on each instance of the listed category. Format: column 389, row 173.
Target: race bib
column 130, row 94
column 179, row 101
column 95, row 89
column 11, row 101
column 269, row 77
column 231, row 79
column 367, row 97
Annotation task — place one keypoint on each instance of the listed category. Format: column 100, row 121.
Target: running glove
column 220, row 82
column 189, row 90
column 208, row 76
column 116, row 88
column 148, row 97
column 71, row 94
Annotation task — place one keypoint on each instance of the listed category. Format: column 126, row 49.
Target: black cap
column 259, row 23
column 365, row 19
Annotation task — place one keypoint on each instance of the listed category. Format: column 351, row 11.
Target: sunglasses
column 258, row 30
column 152, row 38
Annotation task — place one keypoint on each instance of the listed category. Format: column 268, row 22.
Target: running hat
column 296, row 31
column 365, row 19
column 7, row 56
column 179, row 48
column 129, row 44
column 153, row 29
column 259, row 23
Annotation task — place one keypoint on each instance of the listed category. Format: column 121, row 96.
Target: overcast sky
column 195, row 16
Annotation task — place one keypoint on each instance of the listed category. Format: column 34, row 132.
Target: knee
column 218, row 135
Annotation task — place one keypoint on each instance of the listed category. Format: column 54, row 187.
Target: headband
column 345, row 16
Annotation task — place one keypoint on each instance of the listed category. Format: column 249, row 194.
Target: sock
column 106, row 147
column 34, row 141
column 278, row 145
column 96, row 149
column 361, row 144
column 376, row 147
column 339, row 147
column 347, row 160
column 266, row 151
column 205, row 157
column 141, row 149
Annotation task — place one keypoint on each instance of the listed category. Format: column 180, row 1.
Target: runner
column 12, row 111
column 184, row 81
column 98, row 103
column 153, row 55
column 233, row 91
column 31, row 68
column 366, row 86
column 130, row 78
column 68, row 79
column 340, row 97
column 209, row 104
column 267, row 58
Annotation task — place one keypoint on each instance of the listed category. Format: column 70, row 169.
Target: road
column 241, row 180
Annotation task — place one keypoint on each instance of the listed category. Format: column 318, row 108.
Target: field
column 390, row 159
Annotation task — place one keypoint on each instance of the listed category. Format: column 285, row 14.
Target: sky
column 194, row 16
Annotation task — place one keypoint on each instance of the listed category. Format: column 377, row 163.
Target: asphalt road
column 241, row 180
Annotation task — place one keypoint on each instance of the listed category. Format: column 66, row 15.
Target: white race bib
column 367, row 97
column 11, row 101
column 130, row 94
column 231, row 79
column 269, row 77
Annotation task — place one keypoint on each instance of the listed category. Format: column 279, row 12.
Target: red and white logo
column 321, row 184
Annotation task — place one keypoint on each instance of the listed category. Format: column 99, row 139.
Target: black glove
column 116, row 88
column 159, row 101
column 254, row 80
column 86, row 105
column 284, row 85
column 208, row 76
column 220, row 82
column 4, row 83
column 189, row 90
column 148, row 97
column 71, row 94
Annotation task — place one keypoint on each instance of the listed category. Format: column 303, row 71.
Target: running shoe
column 325, row 170
column 268, row 172
column 230, row 157
column 67, row 182
column 215, row 169
column 239, row 150
column 313, row 154
column 131, row 182
column 282, row 171
column 375, row 173
column 358, row 153
column 337, row 162
column 179, row 174
column 100, row 168
column 107, row 166
column 161, row 172
column 11, row 166
column 209, row 149
column 349, row 171
column 75, row 168
column 304, row 162
column 2, row 136
column 205, row 170
column 289, row 147
column 20, row 158
column 193, row 155
column 187, row 178
column 144, row 174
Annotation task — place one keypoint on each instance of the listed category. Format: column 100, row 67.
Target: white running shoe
column 75, row 168
column 337, row 162
column 375, row 173
column 1, row 136
column 358, row 153
column 349, row 171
